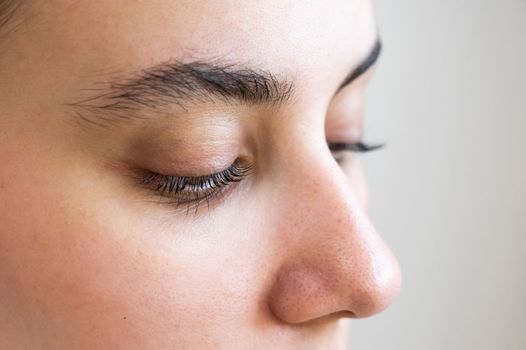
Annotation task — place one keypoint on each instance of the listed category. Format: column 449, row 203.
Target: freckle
column 316, row 187
column 124, row 318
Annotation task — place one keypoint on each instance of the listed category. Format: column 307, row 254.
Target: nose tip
column 376, row 289
column 309, row 291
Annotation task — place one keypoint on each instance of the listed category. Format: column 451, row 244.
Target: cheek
column 78, row 259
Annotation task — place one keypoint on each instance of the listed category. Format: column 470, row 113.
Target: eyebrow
column 201, row 81
column 364, row 66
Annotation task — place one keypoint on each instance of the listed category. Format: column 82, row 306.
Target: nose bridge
column 336, row 261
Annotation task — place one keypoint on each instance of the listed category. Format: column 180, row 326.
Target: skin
column 89, row 259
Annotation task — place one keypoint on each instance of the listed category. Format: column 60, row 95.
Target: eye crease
column 194, row 190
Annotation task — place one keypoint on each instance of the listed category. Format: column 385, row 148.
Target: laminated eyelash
column 194, row 188
column 355, row 147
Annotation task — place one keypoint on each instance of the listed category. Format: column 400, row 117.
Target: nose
column 333, row 260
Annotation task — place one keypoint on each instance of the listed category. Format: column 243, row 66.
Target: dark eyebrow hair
column 181, row 83
column 8, row 9
column 364, row 66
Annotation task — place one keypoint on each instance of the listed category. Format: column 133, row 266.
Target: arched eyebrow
column 180, row 83
column 364, row 66
column 184, row 83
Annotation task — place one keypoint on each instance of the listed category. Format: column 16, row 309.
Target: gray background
column 448, row 193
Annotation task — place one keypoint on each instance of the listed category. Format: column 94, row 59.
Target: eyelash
column 193, row 190
column 354, row 147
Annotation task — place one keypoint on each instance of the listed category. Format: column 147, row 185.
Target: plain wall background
column 448, row 193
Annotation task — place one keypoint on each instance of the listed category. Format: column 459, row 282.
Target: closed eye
column 338, row 148
column 355, row 147
column 194, row 190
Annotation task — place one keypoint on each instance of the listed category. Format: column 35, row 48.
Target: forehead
column 297, row 38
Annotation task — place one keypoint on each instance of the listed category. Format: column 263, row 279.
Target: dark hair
column 8, row 8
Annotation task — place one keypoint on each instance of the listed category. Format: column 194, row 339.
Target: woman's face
column 113, row 234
